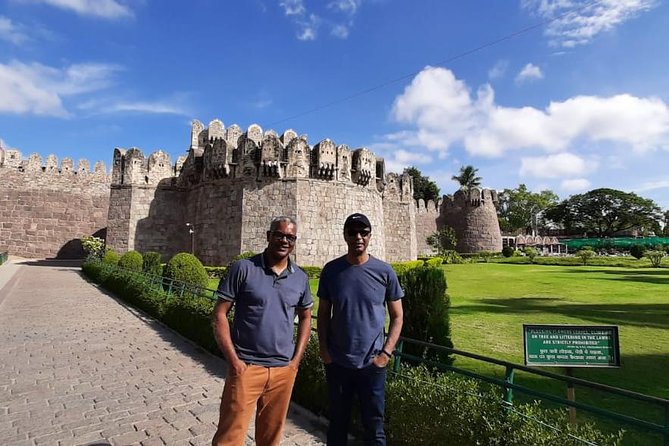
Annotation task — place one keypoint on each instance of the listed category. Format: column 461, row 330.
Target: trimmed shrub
column 185, row 267
column 426, row 307
column 151, row 264
column 131, row 260
column 531, row 253
column 508, row 251
column 637, row 250
column 313, row 272
column 585, row 255
column 111, row 257
column 434, row 261
column 215, row 272
column 486, row 255
column 402, row 267
column 457, row 411
column 655, row 257
column 93, row 246
column 244, row 255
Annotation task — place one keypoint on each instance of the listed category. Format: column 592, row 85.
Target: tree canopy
column 467, row 177
column 603, row 212
column 423, row 187
column 518, row 207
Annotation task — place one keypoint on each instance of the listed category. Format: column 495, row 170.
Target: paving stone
column 78, row 366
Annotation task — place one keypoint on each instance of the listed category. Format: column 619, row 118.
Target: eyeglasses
column 278, row 236
column 354, row 232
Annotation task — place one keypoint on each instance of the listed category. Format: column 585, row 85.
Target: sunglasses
column 354, row 232
column 279, row 236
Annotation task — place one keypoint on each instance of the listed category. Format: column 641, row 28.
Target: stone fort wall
column 231, row 183
column 45, row 208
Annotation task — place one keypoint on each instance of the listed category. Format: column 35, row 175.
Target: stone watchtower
column 473, row 216
column 218, row 201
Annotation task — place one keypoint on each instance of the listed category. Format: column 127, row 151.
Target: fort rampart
column 232, row 182
column 45, row 208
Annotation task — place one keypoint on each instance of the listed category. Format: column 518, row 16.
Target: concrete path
column 79, row 367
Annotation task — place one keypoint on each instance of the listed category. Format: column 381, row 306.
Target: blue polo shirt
column 358, row 294
column 265, row 308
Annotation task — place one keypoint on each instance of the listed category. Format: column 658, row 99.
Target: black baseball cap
column 359, row 219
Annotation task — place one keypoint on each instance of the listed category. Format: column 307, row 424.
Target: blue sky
column 576, row 103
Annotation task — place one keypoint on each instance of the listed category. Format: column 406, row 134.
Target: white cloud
column 340, row 31
column 443, row 111
column 106, row 9
column 346, row 6
column 12, row 32
column 575, row 185
column 337, row 16
column 498, row 70
column 577, row 22
column 39, row 89
column 553, row 166
column 652, row 185
column 528, row 73
column 293, row 7
column 100, row 106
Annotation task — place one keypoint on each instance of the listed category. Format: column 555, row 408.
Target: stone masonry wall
column 427, row 223
column 45, row 210
column 322, row 208
column 474, row 217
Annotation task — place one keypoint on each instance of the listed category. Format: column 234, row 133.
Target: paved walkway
column 79, row 367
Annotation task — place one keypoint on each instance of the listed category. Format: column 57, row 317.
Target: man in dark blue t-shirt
column 267, row 290
column 354, row 291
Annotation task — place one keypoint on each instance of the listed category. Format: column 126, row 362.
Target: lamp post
column 191, row 231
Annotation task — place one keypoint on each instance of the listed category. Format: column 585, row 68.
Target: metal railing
column 507, row 385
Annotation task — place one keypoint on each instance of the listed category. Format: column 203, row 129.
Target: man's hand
column 380, row 360
column 294, row 364
column 325, row 355
column 237, row 367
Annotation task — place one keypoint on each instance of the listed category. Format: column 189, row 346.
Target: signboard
column 571, row 345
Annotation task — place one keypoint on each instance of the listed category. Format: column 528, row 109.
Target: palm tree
column 467, row 178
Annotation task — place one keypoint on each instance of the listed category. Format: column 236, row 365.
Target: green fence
column 655, row 429
column 614, row 242
column 508, row 385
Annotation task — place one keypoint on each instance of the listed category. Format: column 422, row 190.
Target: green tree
column 585, row 255
column 603, row 212
column 443, row 241
column 467, row 177
column 423, row 187
column 655, row 257
column 519, row 207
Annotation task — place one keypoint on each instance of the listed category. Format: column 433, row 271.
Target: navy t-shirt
column 358, row 294
column 265, row 306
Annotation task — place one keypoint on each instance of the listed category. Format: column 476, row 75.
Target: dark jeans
column 368, row 385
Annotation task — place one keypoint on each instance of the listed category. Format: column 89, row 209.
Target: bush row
column 423, row 407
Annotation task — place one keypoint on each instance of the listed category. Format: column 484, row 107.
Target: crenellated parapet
column 473, row 197
column 13, row 159
column 131, row 167
column 217, row 152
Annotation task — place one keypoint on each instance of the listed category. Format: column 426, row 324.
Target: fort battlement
column 46, row 207
column 231, row 182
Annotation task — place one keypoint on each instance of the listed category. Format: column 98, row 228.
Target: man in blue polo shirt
column 267, row 291
column 354, row 291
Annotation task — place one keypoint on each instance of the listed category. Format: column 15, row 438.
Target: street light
column 191, row 231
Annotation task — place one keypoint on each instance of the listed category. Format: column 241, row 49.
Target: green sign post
column 571, row 345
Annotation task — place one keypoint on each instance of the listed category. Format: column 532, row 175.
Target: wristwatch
column 383, row 351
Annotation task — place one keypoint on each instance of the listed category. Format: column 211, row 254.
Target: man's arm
column 303, row 333
column 222, row 335
column 394, row 329
column 324, row 316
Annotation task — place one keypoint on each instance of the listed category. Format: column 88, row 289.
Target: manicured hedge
column 422, row 407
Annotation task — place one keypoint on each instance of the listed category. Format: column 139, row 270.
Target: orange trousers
column 265, row 389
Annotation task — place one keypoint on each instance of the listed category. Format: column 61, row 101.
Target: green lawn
column 491, row 302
